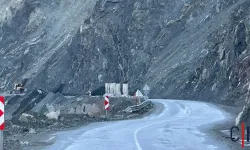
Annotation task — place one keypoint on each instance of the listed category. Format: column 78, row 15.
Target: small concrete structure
column 125, row 90
column 107, row 88
column 114, row 89
column 118, row 90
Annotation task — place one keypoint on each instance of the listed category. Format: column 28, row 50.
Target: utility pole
column 106, row 114
column 1, row 140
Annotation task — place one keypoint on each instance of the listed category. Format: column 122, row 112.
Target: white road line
column 172, row 119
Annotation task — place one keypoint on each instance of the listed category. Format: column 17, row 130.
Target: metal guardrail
column 137, row 107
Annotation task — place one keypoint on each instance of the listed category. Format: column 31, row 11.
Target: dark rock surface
column 193, row 49
column 16, row 105
column 183, row 49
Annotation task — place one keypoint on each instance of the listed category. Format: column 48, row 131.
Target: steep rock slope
column 185, row 49
column 36, row 33
column 212, row 61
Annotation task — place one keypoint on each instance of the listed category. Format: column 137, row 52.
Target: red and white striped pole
column 1, row 121
column 106, row 104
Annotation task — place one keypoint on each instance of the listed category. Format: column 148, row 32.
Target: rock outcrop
column 243, row 116
column 192, row 49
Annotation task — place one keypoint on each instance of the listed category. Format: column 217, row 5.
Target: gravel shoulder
column 44, row 138
column 215, row 130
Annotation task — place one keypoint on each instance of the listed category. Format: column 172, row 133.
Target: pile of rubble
column 41, row 112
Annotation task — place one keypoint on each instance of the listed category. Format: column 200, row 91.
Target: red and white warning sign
column 1, row 113
column 106, row 103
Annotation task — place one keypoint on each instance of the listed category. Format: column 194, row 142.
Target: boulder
column 52, row 99
column 32, row 131
column 27, row 102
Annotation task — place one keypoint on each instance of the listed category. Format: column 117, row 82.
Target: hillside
column 184, row 49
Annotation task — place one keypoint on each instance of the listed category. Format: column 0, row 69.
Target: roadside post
column 146, row 90
column 137, row 95
column 106, row 105
column 1, row 121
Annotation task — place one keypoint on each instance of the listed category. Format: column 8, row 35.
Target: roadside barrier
column 137, row 107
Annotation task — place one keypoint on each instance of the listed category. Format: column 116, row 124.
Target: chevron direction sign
column 1, row 113
column 106, row 103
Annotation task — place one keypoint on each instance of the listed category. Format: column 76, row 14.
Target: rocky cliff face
column 184, row 49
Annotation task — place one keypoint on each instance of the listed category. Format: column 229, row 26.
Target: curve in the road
column 175, row 125
column 167, row 120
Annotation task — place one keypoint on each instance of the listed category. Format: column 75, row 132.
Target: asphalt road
column 175, row 125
